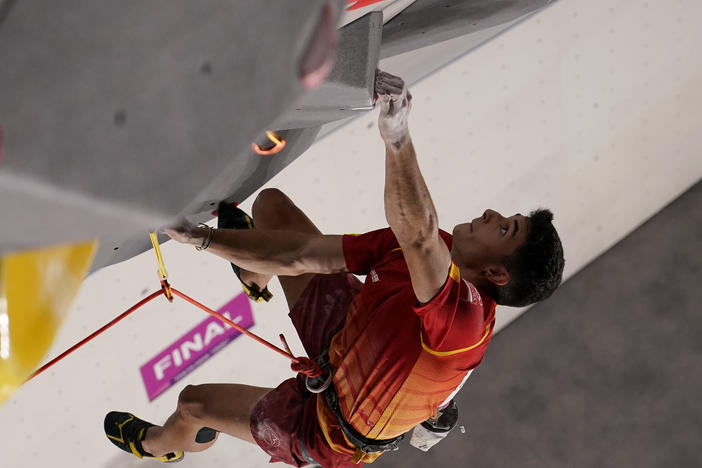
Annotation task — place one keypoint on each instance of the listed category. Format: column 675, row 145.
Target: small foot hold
column 205, row 435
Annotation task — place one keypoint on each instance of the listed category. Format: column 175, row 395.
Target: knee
column 191, row 401
column 270, row 207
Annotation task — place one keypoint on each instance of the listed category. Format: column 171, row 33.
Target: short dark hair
column 536, row 267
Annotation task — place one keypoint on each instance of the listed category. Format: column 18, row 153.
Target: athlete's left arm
column 408, row 205
column 267, row 251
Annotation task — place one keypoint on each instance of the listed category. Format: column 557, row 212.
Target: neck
column 476, row 277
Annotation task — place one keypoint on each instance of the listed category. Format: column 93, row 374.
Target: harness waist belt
column 363, row 443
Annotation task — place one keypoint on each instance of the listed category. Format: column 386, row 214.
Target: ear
column 496, row 274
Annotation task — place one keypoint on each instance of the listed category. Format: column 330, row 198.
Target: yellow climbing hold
column 37, row 289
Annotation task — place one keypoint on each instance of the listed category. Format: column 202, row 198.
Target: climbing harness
column 278, row 145
column 301, row 364
column 321, row 382
column 363, row 444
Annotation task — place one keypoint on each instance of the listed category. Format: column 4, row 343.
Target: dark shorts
column 287, row 414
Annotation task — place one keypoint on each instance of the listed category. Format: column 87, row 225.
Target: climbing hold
column 37, row 288
column 278, row 145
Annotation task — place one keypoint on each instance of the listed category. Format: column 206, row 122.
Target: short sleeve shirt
column 397, row 361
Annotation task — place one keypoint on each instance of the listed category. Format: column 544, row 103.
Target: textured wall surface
column 590, row 108
column 117, row 116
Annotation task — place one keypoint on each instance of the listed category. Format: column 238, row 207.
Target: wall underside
column 589, row 108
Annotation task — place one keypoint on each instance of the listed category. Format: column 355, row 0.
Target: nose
column 490, row 214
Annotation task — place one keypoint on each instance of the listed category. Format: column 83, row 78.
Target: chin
column 461, row 230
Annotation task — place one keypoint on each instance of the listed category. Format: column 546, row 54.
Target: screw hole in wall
column 120, row 117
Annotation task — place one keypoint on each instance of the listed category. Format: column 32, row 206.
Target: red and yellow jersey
column 397, row 361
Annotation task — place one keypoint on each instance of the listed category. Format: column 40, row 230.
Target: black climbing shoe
column 127, row 431
column 231, row 217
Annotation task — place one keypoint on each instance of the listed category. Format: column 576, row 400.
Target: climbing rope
column 301, row 364
column 94, row 334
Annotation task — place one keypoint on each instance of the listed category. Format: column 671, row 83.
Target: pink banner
column 195, row 347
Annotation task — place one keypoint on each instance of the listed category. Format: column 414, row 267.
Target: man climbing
column 397, row 348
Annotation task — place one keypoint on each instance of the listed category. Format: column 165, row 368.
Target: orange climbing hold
column 278, row 143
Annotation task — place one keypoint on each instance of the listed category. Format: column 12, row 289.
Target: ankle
column 147, row 443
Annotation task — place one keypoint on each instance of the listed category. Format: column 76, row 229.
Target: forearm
column 263, row 251
column 409, row 209
column 273, row 252
column 408, row 206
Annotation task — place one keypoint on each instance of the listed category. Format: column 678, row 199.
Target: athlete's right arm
column 409, row 208
column 270, row 252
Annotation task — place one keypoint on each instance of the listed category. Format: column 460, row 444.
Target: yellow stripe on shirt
column 455, row 273
column 456, row 351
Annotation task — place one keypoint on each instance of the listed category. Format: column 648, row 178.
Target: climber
column 397, row 348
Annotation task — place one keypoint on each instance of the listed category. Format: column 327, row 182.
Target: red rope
column 233, row 324
column 94, row 334
column 299, row 364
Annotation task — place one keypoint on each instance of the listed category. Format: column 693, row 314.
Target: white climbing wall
column 592, row 109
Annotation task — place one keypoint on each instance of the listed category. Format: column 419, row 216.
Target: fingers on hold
column 388, row 75
column 397, row 82
column 381, row 87
column 388, row 81
column 380, row 78
column 386, row 88
column 384, row 100
column 391, row 108
column 384, row 97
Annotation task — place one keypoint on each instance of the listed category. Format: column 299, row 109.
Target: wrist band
column 208, row 239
